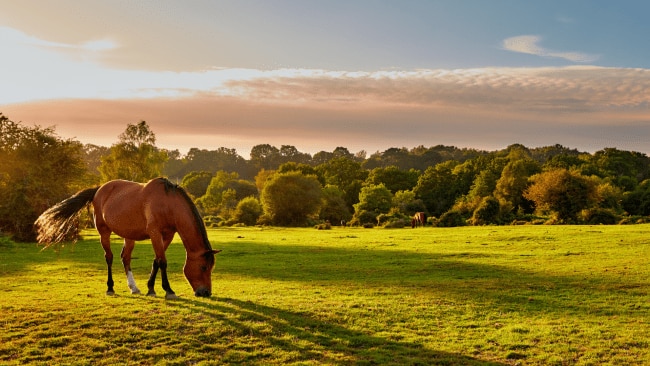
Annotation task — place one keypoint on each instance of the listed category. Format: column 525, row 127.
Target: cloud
column 10, row 36
column 528, row 44
column 584, row 107
column 570, row 89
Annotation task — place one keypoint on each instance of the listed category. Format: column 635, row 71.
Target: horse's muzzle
column 203, row 292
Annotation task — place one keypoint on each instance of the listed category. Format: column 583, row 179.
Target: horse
column 155, row 210
column 419, row 219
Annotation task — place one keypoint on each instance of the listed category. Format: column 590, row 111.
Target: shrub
column 395, row 224
column 487, row 212
column 451, row 218
column 248, row 211
column 212, row 221
column 596, row 216
column 363, row 217
column 323, row 226
column 384, row 219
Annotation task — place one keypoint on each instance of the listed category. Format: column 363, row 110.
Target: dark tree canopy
column 37, row 170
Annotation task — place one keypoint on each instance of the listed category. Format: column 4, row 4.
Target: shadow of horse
column 308, row 339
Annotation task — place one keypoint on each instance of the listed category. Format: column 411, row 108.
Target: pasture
column 530, row 295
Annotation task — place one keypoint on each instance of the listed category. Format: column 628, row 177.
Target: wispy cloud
column 568, row 89
column 529, row 44
column 15, row 37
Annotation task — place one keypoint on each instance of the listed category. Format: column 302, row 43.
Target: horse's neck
column 188, row 229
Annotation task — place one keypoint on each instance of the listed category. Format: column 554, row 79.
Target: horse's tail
column 58, row 222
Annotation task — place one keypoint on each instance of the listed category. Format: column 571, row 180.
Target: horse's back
column 119, row 206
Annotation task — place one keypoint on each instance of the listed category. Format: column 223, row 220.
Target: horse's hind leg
column 126, row 261
column 105, row 238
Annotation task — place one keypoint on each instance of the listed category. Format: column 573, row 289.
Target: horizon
column 367, row 75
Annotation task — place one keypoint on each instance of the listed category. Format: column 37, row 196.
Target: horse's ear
column 215, row 251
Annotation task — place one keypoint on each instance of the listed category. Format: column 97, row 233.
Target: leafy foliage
column 196, row 183
column 562, row 191
column 373, row 200
column 135, row 157
column 248, row 211
column 290, row 199
column 38, row 169
column 435, row 180
column 334, row 208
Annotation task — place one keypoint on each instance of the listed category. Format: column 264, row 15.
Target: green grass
column 533, row 295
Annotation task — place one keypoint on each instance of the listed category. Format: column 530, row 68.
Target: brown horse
column 155, row 210
column 419, row 219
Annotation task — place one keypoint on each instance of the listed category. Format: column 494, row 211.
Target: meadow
column 530, row 295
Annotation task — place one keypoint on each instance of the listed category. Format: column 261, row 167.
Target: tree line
column 286, row 187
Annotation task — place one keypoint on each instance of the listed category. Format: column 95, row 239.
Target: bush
column 487, row 212
column 323, row 226
column 212, row 221
column 384, row 219
column 395, row 224
column 635, row 219
column 363, row 217
column 248, row 211
column 451, row 218
column 596, row 216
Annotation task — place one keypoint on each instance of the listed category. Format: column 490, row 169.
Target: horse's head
column 198, row 271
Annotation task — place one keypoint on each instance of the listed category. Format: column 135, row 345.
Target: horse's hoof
column 110, row 293
column 151, row 294
column 171, row 296
column 135, row 292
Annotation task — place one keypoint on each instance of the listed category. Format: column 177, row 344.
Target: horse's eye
column 204, row 268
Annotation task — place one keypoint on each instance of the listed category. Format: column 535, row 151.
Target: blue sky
column 367, row 75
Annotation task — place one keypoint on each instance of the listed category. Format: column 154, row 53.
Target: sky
column 362, row 74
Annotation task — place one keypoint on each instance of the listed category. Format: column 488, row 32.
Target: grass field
column 530, row 295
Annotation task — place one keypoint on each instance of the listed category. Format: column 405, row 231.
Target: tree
column 513, row 182
column 437, row 187
column 93, row 157
column 196, row 183
column 406, row 203
column 265, row 156
column 224, row 192
column 346, row 174
column 289, row 153
column 373, row 201
column 262, row 177
column 37, row 170
column 637, row 202
column 212, row 160
column 334, row 208
column 394, row 178
column 487, row 212
column 300, row 167
column 135, row 157
column 562, row 191
column 248, row 211
column 290, row 199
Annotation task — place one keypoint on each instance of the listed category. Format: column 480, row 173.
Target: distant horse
column 155, row 210
column 419, row 219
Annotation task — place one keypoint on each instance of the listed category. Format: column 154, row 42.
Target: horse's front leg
column 160, row 263
column 126, row 261
column 152, row 278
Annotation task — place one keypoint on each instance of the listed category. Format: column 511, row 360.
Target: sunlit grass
column 489, row 295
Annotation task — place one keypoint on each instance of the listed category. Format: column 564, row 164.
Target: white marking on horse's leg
column 131, row 281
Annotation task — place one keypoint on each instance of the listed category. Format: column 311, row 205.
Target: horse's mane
column 171, row 187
